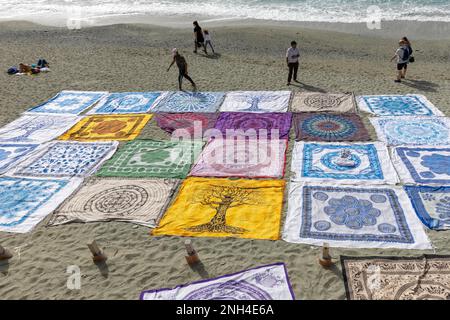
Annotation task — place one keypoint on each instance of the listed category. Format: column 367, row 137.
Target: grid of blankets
column 78, row 157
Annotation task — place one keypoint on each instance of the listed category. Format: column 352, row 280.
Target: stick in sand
column 326, row 260
column 5, row 254
column 192, row 257
column 97, row 254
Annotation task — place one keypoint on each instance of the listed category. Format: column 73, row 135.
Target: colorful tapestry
column 323, row 102
column 36, row 129
column 423, row 165
column 186, row 124
column 256, row 101
column 127, row 102
column 432, row 205
column 152, row 158
column 11, row 153
column 412, row 130
column 353, row 217
column 329, row 127
column 184, row 101
column 106, row 128
column 263, row 125
column 68, row 102
column 237, row 158
column 268, row 282
column 225, row 208
column 397, row 278
column 358, row 163
column 25, row 202
column 398, row 105
column 60, row 159
column 130, row 200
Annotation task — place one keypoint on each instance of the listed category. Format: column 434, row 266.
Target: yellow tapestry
column 107, row 127
column 225, row 208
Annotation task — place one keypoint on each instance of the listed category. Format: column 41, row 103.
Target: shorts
column 401, row 66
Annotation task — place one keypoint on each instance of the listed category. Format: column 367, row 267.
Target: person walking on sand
column 410, row 49
column 208, row 40
column 292, row 56
column 182, row 68
column 402, row 55
column 199, row 40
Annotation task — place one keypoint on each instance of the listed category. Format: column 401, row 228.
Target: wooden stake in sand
column 5, row 254
column 326, row 260
column 192, row 257
column 97, row 254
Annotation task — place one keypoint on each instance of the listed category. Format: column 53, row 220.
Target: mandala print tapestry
column 130, row 200
column 60, row 159
column 152, row 158
column 432, row 205
column 353, row 217
column 225, row 208
column 36, row 129
column 106, row 128
column 256, row 101
column 412, row 130
column 323, row 102
column 262, row 125
column 234, row 158
column 268, row 282
column 68, row 102
column 423, row 165
column 397, row 105
column 127, row 102
column 193, row 125
column 397, row 278
column 329, row 127
column 182, row 101
column 11, row 153
column 25, row 202
column 358, row 163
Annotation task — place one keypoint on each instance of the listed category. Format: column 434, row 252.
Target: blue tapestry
column 11, row 153
column 183, row 101
column 127, row 102
column 397, row 105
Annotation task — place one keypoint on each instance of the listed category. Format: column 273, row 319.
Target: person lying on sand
column 182, row 68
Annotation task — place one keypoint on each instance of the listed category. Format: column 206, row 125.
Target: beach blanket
column 353, row 217
column 397, row 278
column 61, row 159
column 130, row 200
column 262, row 125
column 423, row 165
column 11, row 153
column 25, row 202
column 106, row 128
column 412, row 130
column 152, row 158
column 346, row 163
column 256, row 101
column 68, row 102
column 183, row 101
column 186, row 124
column 432, row 205
column 225, row 208
column 127, row 102
column 238, row 158
column 398, row 105
column 329, row 127
column 268, row 282
column 36, row 129
column 323, row 102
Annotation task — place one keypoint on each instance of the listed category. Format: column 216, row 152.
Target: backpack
column 406, row 54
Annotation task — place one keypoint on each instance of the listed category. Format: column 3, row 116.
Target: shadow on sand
column 200, row 269
column 423, row 85
column 308, row 87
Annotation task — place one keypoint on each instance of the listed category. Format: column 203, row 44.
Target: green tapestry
column 151, row 158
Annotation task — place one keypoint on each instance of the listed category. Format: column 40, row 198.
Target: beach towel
column 271, row 125
column 37, row 128
column 353, row 217
column 398, row 105
column 11, row 153
column 329, row 127
column 423, row 164
column 64, row 159
column 183, row 101
column 344, row 163
column 238, row 158
column 106, row 128
column 256, row 101
column 225, row 208
column 397, row 278
column 412, row 130
column 25, row 202
column 152, row 158
column 268, row 282
column 127, row 102
column 68, row 102
column 129, row 200
column 323, row 102
column 186, row 124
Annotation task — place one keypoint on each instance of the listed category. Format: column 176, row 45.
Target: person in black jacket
column 199, row 40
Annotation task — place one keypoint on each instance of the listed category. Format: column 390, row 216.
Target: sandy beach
column 134, row 57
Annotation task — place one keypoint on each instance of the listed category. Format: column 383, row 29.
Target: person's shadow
column 214, row 56
column 199, row 267
column 423, row 85
column 4, row 267
column 308, row 87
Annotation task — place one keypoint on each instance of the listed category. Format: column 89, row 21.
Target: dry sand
column 135, row 58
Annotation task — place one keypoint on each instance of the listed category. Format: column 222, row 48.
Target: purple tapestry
column 170, row 122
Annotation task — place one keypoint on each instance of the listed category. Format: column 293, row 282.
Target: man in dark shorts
column 292, row 55
column 182, row 68
column 402, row 55
column 199, row 40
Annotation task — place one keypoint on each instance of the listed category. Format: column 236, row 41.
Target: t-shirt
column 199, row 34
column 207, row 37
column 292, row 55
column 402, row 54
